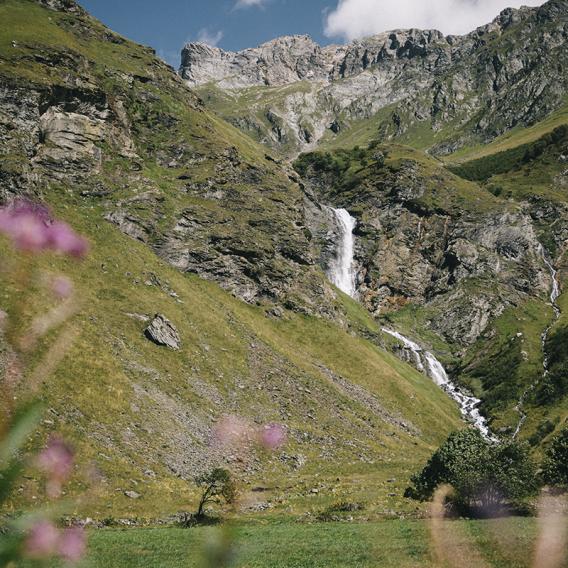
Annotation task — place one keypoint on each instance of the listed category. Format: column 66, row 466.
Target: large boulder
column 163, row 332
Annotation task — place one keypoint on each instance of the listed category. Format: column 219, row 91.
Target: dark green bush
column 555, row 467
column 485, row 476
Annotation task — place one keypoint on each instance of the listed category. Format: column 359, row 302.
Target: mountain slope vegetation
column 191, row 219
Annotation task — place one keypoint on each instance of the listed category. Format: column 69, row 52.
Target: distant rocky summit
column 456, row 89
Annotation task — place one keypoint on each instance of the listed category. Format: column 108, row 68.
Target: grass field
column 398, row 543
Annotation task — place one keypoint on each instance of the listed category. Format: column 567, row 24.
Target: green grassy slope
column 141, row 414
column 128, row 404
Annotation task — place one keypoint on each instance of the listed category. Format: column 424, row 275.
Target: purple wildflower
column 72, row 544
column 25, row 224
column 56, row 460
column 273, row 436
column 62, row 238
column 62, row 287
column 233, row 431
column 42, row 540
column 30, row 228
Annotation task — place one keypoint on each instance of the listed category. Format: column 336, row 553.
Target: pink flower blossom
column 273, row 436
column 72, row 544
column 42, row 540
column 233, row 431
column 56, row 460
column 62, row 287
column 31, row 228
column 25, row 224
column 63, row 239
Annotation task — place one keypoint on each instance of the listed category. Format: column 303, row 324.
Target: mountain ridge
column 408, row 82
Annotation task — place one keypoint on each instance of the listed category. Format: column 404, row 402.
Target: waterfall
column 341, row 271
column 427, row 363
column 554, row 295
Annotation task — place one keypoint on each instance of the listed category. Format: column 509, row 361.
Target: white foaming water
column 341, row 271
column 555, row 289
column 427, row 363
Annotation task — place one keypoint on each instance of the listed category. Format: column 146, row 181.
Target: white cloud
column 353, row 19
column 249, row 3
column 210, row 38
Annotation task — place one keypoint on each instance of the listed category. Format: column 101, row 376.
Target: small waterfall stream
column 554, row 295
column 342, row 273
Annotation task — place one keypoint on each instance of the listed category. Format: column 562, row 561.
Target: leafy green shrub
column 485, row 476
column 496, row 190
column 543, row 430
column 555, row 467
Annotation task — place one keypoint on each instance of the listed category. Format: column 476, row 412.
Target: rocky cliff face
column 463, row 258
column 455, row 90
column 176, row 181
column 279, row 62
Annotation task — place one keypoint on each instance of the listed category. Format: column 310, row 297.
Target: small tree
column 555, row 467
column 218, row 485
column 484, row 475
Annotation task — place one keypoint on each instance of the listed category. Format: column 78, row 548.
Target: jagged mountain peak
column 280, row 61
column 400, row 81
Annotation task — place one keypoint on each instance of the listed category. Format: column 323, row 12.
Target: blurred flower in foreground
column 31, row 228
column 273, row 436
column 236, row 431
column 25, row 223
column 45, row 540
column 233, row 431
column 56, row 460
column 42, row 540
column 63, row 239
column 62, row 287
column 72, row 544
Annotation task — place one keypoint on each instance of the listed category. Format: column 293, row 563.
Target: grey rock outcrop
column 462, row 263
column 163, row 332
column 278, row 62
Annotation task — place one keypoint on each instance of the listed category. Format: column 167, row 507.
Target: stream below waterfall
column 342, row 273
column 427, row 363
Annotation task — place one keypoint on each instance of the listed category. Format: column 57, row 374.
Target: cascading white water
column 341, row 271
column 555, row 288
column 554, row 295
column 427, row 363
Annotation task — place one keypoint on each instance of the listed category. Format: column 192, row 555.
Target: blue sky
column 167, row 24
